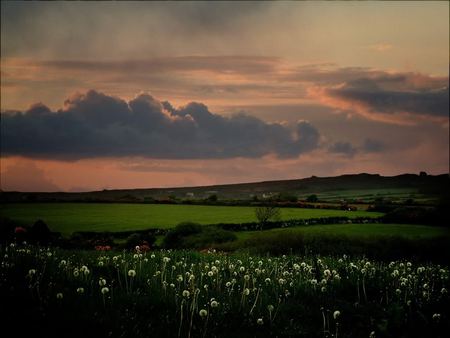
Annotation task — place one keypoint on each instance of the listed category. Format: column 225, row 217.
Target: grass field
column 410, row 231
column 69, row 217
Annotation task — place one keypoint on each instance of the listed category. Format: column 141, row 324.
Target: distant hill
column 363, row 187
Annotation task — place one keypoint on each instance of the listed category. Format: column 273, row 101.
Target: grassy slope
column 69, row 217
column 411, row 231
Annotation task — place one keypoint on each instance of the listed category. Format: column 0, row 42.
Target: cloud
column 344, row 148
column 373, row 146
column 94, row 124
column 395, row 98
column 380, row 47
column 25, row 175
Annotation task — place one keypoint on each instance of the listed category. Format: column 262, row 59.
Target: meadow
column 70, row 217
column 188, row 294
column 409, row 231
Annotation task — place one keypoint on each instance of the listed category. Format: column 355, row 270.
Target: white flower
column 131, row 273
column 270, row 307
column 336, row 314
column 105, row 290
column 214, row 304
column 203, row 313
column 179, row 278
column 31, row 272
column 186, row 293
column 86, row 272
column 210, row 273
column 246, row 277
column 59, row 295
column 76, row 273
column 227, row 284
column 259, row 321
column 166, row 259
column 267, row 280
column 323, row 289
column 246, row 291
column 100, row 263
column 102, row 282
column 63, row 262
column 80, row 290
column 436, row 317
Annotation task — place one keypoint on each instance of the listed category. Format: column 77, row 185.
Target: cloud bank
column 94, row 124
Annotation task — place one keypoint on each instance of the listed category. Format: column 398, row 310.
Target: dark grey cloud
column 373, row 146
column 426, row 101
column 97, row 125
column 379, row 92
column 343, row 148
column 219, row 64
column 348, row 149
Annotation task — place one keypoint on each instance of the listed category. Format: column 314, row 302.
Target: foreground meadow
column 190, row 294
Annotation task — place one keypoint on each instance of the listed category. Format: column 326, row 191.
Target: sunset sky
column 99, row 95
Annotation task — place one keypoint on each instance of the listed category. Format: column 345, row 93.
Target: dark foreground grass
column 55, row 293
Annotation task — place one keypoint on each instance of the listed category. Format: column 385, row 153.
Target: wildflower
column 86, row 272
column 270, row 307
column 31, row 272
column 323, row 289
column 336, row 314
column 59, row 295
column 203, row 313
column 166, row 259
column 100, row 263
column 186, row 293
column 131, row 273
column 76, row 273
column 80, row 290
column 105, row 290
column 152, row 256
column 443, row 291
column 227, row 284
column 246, row 291
column 398, row 291
column 63, row 262
column 372, row 334
column 241, row 269
column 172, row 285
column 214, row 304
column 267, row 280
column 259, row 321
column 282, row 281
column 102, row 282
column 436, row 317
column 210, row 273
column 246, row 277
column 179, row 278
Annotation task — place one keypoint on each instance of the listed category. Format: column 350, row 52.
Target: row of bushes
column 254, row 226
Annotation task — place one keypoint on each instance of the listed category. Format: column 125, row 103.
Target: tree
column 267, row 212
column 312, row 198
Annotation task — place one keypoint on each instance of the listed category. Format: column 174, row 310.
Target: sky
column 115, row 95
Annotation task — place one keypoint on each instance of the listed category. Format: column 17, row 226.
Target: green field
column 69, row 217
column 410, row 231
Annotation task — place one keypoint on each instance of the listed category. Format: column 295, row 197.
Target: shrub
column 139, row 239
column 174, row 237
column 39, row 232
column 193, row 235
